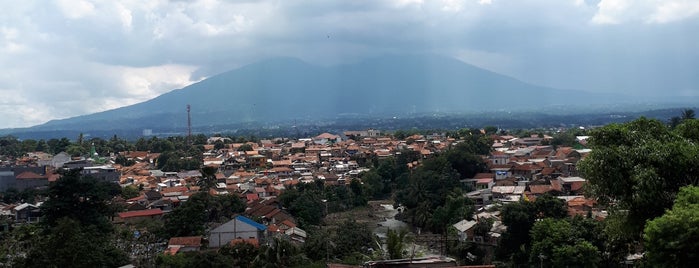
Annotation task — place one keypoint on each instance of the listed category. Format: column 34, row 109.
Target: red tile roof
column 28, row 175
column 140, row 213
column 190, row 241
column 252, row 241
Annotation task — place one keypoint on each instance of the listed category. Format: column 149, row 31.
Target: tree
column 72, row 244
column 675, row 121
column 352, row 237
column 557, row 241
column 245, row 147
column 208, row 179
column 280, row 253
column 395, row 243
column 75, row 150
column 519, row 218
column 689, row 129
column 489, row 130
column 83, row 199
column 687, row 114
column 243, row 254
column 514, row 244
column 75, row 228
column 188, row 219
column 56, row 146
column 218, row 145
column 671, row 240
column 640, row 165
column 317, row 246
column 129, row 192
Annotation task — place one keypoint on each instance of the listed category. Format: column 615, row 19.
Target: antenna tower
column 189, row 123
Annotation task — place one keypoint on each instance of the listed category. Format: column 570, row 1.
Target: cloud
column 75, row 9
column 646, row 11
column 67, row 58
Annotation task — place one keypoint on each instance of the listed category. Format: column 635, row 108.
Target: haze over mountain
column 282, row 89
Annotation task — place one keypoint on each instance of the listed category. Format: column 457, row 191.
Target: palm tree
column 278, row 254
column 395, row 243
column 687, row 114
column 675, row 121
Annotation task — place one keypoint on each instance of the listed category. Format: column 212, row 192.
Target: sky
column 66, row 58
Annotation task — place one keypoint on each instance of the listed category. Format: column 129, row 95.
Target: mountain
column 285, row 89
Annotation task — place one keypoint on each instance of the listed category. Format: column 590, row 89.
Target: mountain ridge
column 288, row 88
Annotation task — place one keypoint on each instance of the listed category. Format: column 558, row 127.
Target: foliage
column 557, row 242
column 242, row 253
column 72, row 244
column 641, row 165
column 129, row 192
column 28, row 195
column 280, row 253
column 395, row 243
column 14, row 245
column 520, row 218
column 245, row 147
column 671, row 240
column 178, row 160
column 317, row 246
column 433, row 193
column 190, row 218
column 75, row 230
column 83, row 199
column 308, row 202
column 350, row 237
column 122, row 160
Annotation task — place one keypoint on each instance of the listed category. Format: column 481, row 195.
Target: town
column 358, row 198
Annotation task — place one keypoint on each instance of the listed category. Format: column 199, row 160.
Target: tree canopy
column 639, row 166
column 671, row 240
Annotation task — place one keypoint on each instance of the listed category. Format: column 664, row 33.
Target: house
column 326, row 138
column 60, row 159
column 104, row 173
column 296, row 234
column 432, row 261
column 572, row 185
column 183, row 244
column 240, row 227
column 27, row 213
column 140, row 215
column 465, row 229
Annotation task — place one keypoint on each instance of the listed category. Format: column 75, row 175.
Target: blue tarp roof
column 247, row 220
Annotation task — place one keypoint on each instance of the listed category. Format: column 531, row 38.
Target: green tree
column 395, row 243
column 519, row 218
column 317, row 244
column 83, row 199
column 640, row 165
column 56, row 146
column 75, row 150
column 243, row 254
column 489, row 130
column 208, row 179
column 555, row 242
column 72, row 244
column 689, row 129
column 75, row 228
column 687, row 114
column 189, row 219
column 671, row 240
column 245, row 147
column 352, row 236
column 129, row 192
column 280, row 253
column 218, row 145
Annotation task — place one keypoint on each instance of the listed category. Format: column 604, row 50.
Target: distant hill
column 287, row 89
